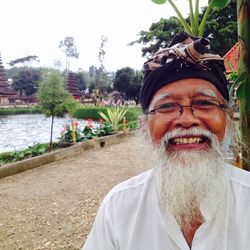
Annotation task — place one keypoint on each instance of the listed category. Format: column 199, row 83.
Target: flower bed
column 73, row 133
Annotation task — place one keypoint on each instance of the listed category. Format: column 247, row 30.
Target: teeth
column 187, row 140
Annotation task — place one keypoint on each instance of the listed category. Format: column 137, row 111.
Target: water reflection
column 21, row 131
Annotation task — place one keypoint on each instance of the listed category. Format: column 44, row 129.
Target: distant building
column 6, row 93
column 72, row 86
column 231, row 59
column 10, row 97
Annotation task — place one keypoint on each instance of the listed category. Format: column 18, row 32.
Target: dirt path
column 53, row 207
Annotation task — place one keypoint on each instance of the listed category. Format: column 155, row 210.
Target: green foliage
column 69, row 47
column 99, row 78
column 128, row 81
column 93, row 111
column 105, row 129
column 82, row 79
column 26, row 81
column 233, row 76
column 66, row 134
column 158, row 36
column 220, row 3
column 221, row 25
column 15, row 111
column 88, row 132
column 133, row 125
column 71, row 105
column 114, row 116
column 18, row 155
column 52, row 96
column 159, row 1
column 23, row 60
column 197, row 24
column 89, row 111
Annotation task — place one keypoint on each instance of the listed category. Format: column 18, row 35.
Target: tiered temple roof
column 4, row 85
column 72, row 86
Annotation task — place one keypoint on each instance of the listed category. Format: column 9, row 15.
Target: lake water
column 20, row 131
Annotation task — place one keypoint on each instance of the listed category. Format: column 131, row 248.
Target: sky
column 36, row 27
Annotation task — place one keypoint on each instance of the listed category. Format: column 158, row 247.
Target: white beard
column 191, row 184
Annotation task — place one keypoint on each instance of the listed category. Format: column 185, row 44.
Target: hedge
column 84, row 112
column 15, row 111
column 92, row 112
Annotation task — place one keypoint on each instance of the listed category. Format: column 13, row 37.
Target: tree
column 52, row 97
column 70, row 50
column 82, row 78
column 221, row 25
column 197, row 24
column 96, row 76
column 128, row 82
column 158, row 34
column 26, row 81
column 23, row 60
column 101, row 55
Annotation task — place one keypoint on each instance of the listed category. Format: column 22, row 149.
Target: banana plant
column 195, row 28
column 114, row 116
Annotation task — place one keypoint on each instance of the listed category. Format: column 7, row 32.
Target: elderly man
column 192, row 198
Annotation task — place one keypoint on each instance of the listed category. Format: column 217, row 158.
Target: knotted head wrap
column 186, row 57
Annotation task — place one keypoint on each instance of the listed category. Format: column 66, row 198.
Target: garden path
column 53, row 207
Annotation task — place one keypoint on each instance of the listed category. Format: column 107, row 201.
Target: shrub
column 15, row 111
column 114, row 116
column 18, row 155
column 88, row 132
column 93, row 111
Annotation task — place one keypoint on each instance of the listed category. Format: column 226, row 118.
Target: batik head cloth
column 186, row 57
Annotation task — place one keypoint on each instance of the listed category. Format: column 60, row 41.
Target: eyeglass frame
column 181, row 107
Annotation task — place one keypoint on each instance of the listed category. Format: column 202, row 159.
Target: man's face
column 187, row 126
column 186, row 92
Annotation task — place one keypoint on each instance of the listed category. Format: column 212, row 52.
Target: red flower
column 90, row 123
column 76, row 124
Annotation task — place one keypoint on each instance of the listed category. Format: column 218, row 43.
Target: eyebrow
column 162, row 96
column 206, row 92
column 199, row 91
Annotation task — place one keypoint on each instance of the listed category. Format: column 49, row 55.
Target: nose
column 187, row 119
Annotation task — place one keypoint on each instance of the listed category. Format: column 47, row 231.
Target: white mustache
column 180, row 132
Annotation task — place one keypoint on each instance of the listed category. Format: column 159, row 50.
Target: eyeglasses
column 199, row 108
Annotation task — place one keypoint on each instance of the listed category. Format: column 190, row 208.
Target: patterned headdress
column 186, row 57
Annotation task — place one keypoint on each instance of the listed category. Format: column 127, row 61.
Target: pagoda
column 5, row 91
column 72, row 85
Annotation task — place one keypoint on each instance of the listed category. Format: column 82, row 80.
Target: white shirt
column 129, row 218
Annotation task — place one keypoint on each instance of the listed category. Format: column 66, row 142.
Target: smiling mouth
column 188, row 140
